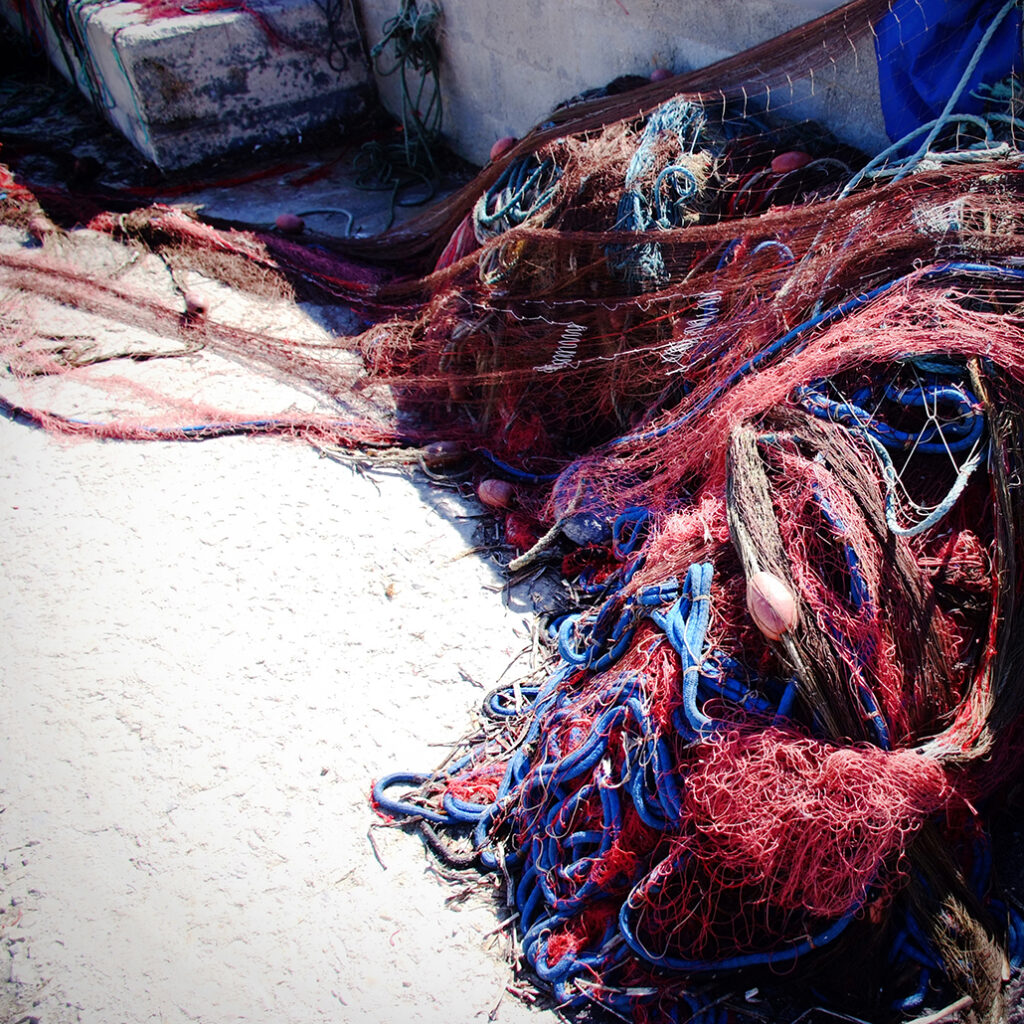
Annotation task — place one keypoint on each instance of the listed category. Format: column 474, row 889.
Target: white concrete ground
column 210, row 650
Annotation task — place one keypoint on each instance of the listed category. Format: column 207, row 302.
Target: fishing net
column 760, row 399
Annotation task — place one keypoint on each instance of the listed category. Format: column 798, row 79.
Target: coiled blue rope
column 773, row 958
column 685, row 625
column 961, row 428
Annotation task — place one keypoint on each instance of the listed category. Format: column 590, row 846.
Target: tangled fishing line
column 763, row 402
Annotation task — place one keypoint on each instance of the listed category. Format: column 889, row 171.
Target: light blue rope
column 891, row 478
column 868, row 170
column 674, row 188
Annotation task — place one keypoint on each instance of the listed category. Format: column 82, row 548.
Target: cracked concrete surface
column 210, row 651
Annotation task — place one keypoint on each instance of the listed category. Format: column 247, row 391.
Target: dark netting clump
column 760, row 397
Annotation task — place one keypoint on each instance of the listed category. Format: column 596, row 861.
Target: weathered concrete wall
column 506, row 65
column 188, row 88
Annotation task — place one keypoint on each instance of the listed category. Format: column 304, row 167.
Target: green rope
column 409, row 49
column 412, row 34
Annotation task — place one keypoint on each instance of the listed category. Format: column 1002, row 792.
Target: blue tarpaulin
column 923, row 49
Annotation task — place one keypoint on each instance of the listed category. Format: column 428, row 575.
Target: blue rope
column 891, row 479
column 404, row 808
column 501, row 703
column 1015, row 945
column 523, row 189
column 818, row 320
column 880, row 159
column 628, row 530
column 512, row 471
column 685, row 625
column 774, row 958
column 859, row 595
column 959, row 432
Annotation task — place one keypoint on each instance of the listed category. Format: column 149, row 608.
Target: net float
column 41, row 227
column 660, row 74
column 502, row 146
column 771, row 604
column 495, row 493
column 289, row 223
column 195, row 304
column 791, row 160
column 443, row 454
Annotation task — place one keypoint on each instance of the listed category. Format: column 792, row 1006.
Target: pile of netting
column 792, row 690
column 790, row 695
column 761, row 399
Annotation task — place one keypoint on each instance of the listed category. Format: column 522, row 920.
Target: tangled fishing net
column 762, row 400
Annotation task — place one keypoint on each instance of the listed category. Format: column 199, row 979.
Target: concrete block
column 506, row 66
column 187, row 88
